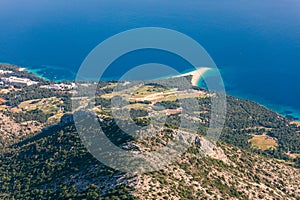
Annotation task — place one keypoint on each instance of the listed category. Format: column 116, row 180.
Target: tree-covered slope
column 57, row 166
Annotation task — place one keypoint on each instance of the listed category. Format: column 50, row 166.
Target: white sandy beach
column 196, row 75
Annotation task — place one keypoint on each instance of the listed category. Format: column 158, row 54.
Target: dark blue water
column 256, row 44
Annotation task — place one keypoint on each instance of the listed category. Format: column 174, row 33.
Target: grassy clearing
column 296, row 123
column 55, row 118
column 149, row 90
column 47, row 105
column 263, row 142
column 293, row 155
column 137, row 106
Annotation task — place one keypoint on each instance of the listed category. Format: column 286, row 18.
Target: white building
column 5, row 71
column 17, row 80
column 60, row 86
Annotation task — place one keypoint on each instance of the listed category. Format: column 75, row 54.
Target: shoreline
column 22, row 68
column 35, row 73
column 282, row 110
column 196, row 77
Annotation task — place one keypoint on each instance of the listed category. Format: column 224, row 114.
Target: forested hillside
column 43, row 157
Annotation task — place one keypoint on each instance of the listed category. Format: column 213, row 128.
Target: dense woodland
column 41, row 169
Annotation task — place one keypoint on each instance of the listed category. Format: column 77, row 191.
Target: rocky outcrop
column 11, row 131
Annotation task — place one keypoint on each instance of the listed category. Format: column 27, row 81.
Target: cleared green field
column 263, row 142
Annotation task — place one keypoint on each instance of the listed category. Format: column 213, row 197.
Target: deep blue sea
column 255, row 44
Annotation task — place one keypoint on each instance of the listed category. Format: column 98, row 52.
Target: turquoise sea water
column 255, row 44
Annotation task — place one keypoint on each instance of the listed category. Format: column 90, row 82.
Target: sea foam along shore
column 196, row 75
